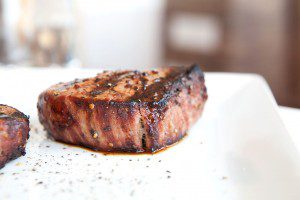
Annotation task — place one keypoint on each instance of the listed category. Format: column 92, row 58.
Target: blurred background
column 257, row 36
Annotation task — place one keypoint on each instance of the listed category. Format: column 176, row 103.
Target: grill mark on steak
column 110, row 82
column 135, row 111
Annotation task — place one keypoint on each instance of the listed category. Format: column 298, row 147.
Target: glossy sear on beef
column 14, row 132
column 125, row 111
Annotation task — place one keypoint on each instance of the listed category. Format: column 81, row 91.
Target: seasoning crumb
column 91, row 106
column 168, row 176
column 94, row 133
column 224, row 178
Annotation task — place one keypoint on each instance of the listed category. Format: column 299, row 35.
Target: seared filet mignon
column 14, row 132
column 125, row 111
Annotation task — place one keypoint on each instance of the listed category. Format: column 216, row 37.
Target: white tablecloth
column 291, row 119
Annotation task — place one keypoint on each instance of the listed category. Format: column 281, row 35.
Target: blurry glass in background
column 52, row 39
column 39, row 32
column 93, row 33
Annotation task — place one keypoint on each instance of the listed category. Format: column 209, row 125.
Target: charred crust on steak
column 131, row 111
column 14, row 132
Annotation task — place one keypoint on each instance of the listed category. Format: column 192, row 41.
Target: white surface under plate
column 239, row 149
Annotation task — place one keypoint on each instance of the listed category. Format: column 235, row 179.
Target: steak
column 14, row 132
column 125, row 111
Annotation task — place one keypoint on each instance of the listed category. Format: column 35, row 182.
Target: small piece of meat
column 125, row 111
column 14, row 132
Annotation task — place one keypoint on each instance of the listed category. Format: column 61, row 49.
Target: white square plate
column 239, row 149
